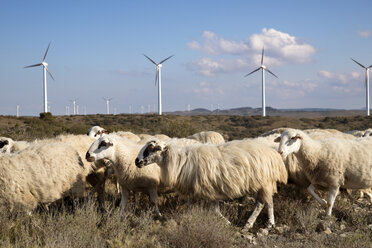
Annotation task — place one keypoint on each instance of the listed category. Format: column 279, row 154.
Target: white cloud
column 280, row 48
column 209, row 67
column 344, row 82
column 215, row 45
column 205, row 89
column 342, row 78
column 365, row 34
column 282, row 45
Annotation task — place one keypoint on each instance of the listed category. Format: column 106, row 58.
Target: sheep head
column 150, row 153
column 6, row 145
column 101, row 149
column 290, row 142
column 96, row 132
column 367, row 133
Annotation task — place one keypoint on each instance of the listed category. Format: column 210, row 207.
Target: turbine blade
column 156, row 75
column 161, row 62
column 32, row 65
column 271, row 73
column 50, row 74
column 359, row 63
column 252, row 72
column 46, row 52
column 111, row 99
column 150, row 59
column 263, row 49
column 370, row 66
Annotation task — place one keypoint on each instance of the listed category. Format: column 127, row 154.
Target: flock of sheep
column 202, row 166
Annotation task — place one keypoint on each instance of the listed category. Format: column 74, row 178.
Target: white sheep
column 96, row 132
column 330, row 163
column 8, row 145
column 356, row 133
column 367, row 132
column 128, row 135
column 41, row 173
column 208, row 137
column 98, row 177
column 217, row 172
column 121, row 153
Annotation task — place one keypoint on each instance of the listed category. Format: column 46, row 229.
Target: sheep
column 330, row 163
column 98, row 177
column 41, row 173
column 356, row 133
column 128, row 135
column 327, row 133
column 144, row 136
column 162, row 137
column 208, row 137
column 217, row 172
column 96, row 132
column 121, row 153
column 367, row 132
column 8, row 145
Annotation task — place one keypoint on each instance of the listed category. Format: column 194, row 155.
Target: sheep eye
column 103, row 143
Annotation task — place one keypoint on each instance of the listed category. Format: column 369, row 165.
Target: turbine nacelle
column 159, row 65
column 44, row 64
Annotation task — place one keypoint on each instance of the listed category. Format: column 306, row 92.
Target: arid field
column 300, row 220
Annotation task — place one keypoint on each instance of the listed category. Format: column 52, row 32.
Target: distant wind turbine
column 74, row 103
column 263, row 81
column 107, row 104
column 45, row 69
column 158, row 79
column 367, row 84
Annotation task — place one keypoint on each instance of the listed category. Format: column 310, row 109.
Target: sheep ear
column 106, row 132
column 277, row 140
column 6, row 142
column 110, row 144
column 298, row 137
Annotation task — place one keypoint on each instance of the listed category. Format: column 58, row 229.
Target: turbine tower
column 45, row 69
column 367, row 84
column 263, row 81
column 74, row 104
column 158, row 79
column 107, row 104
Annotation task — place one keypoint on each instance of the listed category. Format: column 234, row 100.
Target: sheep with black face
column 216, row 172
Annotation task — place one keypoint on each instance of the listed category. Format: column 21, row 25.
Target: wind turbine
column 107, row 104
column 263, row 81
column 45, row 69
column 158, row 79
column 367, row 84
column 74, row 103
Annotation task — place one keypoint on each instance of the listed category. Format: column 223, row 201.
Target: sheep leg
column 124, row 199
column 254, row 215
column 216, row 207
column 332, row 193
column 311, row 189
column 154, row 198
column 270, row 212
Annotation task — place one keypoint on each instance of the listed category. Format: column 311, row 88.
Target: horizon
column 97, row 52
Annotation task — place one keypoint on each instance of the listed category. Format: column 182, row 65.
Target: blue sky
column 97, row 48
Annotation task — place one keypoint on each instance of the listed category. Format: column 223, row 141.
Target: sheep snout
column 139, row 163
column 89, row 158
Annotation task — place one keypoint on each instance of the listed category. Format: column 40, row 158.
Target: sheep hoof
column 247, row 227
column 270, row 226
column 324, row 203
